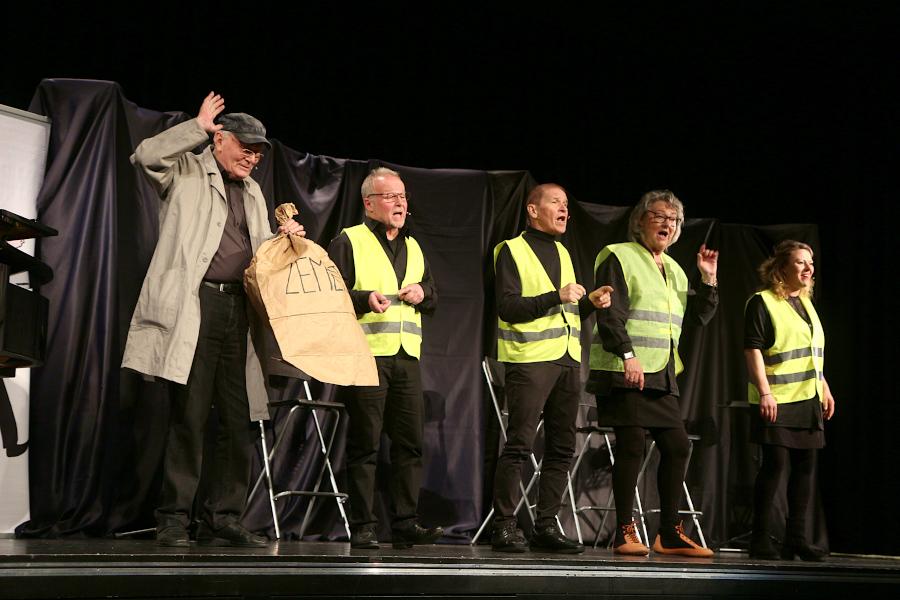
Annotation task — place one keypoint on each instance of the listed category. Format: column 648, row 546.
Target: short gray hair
column 647, row 200
column 368, row 184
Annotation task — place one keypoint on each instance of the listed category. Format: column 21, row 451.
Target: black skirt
column 798, row 425
column 634, row 408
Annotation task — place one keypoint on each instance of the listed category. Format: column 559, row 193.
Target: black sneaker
column 364, row 538
column 233, row 534
column 508, row 538
column 413, row 533
column 172, row 536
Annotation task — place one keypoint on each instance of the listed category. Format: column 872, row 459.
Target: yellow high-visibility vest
column 401, row 324
column 795, row 361
column 551, row 335
column 656, row 309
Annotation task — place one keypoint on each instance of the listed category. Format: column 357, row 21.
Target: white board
column 24, row 138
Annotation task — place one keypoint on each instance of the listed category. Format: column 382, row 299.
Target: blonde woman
column 784, row 346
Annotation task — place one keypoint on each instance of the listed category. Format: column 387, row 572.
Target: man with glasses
column 190, row 325
column 634, row 363
column 391, row 286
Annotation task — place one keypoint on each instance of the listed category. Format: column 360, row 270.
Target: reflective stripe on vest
column 401, row 323
column 795, row 361
column 657, row 309
column 554, row 333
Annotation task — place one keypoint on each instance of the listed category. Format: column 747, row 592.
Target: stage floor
column 95, row 568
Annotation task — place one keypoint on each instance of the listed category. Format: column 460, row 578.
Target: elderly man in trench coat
column 190, row 325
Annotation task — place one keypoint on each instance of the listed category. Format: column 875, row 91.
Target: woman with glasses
column 784, row 346
column 634, row 363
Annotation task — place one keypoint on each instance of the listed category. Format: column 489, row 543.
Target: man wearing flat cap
column 190, row 325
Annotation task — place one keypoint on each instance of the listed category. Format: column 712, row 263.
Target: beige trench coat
column 163, row 333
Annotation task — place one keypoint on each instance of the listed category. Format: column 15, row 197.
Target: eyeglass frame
column 245, row 151
column 390, row 195
column 662, row 218
column 250, row 154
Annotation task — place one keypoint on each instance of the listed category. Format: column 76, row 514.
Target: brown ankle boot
column 673, row 540
column 627, row 541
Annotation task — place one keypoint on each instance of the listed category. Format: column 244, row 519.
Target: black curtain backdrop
column 97, row 433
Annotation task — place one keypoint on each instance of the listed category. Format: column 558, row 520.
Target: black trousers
column 395, row 407
column 799, row 466
column 531, row 390
column 217, row 377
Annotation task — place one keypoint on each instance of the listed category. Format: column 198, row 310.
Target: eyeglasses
column 392, row 195
column 251, row 155
column 660, row 219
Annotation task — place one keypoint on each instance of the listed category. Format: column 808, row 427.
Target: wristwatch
column 628, row 355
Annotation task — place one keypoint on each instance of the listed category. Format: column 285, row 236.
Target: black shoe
column 762, row 548
column 508, row 538
column 803, row 551
column 233, row 534
column 364, row 538
column 551, row 539
column 172, row 535
column 406, row 537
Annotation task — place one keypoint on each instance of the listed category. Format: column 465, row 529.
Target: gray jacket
column 163, row 333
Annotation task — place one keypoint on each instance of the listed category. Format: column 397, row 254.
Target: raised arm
column 158, row 156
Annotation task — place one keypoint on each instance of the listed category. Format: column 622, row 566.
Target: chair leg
column 499, row 414
column 523, row 501
column 268, row 473
column 340, row 501
column 484, row 525
column 687, row 495
column 609, row 499
column 570, row 488
column 325, row 449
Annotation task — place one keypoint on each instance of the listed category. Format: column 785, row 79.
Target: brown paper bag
column 298, row 290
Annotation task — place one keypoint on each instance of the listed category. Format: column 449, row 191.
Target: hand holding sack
column 297, row 289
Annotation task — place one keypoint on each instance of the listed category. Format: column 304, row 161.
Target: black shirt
column 759, row 334
column 341, row 252
column 701, row 306
column 512, row 307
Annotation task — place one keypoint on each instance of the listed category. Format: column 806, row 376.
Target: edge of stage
column 92, row 568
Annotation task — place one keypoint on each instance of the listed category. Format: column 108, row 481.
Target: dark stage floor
column 95, row 568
